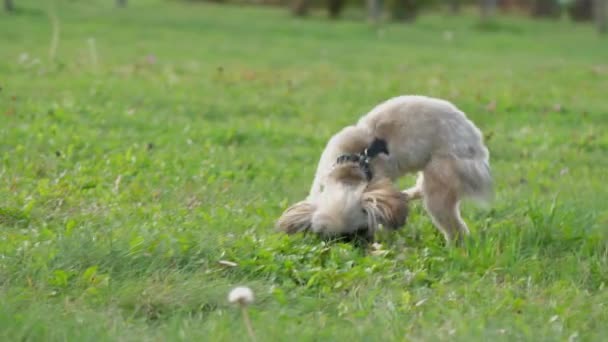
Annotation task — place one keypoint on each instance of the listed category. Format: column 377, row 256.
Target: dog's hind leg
column 415, row 192
column 441, row 200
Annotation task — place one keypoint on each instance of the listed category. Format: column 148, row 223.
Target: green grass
column 122, row 184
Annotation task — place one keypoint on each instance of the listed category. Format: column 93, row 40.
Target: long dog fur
column 425, row 135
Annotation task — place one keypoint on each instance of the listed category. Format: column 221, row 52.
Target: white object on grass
column 241, row 295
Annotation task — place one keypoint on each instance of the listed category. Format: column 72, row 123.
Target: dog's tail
column 475, row 179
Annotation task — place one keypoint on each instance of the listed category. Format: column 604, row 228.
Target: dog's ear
column 296, row 218
column 385, row 204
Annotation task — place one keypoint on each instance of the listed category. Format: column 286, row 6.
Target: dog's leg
column 415, row 192
column 441, row 200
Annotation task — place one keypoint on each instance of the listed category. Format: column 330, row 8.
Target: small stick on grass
column 93, row 53
column 55, row 32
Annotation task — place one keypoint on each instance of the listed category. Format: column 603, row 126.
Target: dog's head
column 349, row 204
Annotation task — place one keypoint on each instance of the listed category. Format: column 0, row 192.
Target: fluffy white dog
column 353, row 189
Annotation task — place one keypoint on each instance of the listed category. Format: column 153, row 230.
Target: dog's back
column 420, row 129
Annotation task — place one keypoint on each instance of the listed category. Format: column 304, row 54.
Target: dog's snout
column 325, row 224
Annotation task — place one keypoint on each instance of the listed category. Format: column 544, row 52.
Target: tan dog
column 353, row 188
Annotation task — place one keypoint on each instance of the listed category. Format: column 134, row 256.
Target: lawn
column 167, row 136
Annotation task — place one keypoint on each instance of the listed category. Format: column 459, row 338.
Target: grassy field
column 168, row 136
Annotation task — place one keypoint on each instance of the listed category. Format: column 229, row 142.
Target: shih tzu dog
column 353, row 190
